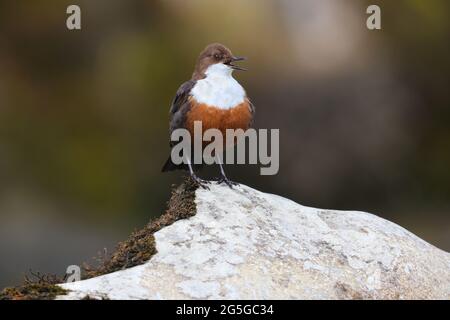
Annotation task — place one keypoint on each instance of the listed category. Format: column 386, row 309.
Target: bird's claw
column 227, row 182
column 201, row 183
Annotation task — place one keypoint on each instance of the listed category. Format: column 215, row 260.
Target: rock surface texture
column 245, row 244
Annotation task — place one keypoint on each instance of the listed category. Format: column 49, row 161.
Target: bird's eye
column 217, row 56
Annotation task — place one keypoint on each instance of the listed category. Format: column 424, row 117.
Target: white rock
column 245, row 244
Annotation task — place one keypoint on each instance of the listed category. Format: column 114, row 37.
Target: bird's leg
column 223, row 176
column 202, row 183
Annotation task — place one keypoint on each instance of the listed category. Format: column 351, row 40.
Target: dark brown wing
column 252, row 110
column 180, row 106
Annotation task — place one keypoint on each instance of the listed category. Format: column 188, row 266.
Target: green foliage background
column 363, row 115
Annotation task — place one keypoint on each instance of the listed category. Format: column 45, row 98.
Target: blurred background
column 363, row 115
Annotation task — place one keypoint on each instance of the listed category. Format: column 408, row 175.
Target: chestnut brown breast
column 238, row 117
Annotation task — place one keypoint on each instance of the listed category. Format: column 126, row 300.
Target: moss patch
column 88, row 297
column 140, row 246
column 136, row 250
column 36, row 287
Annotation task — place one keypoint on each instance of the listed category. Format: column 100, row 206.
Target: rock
column 245, row 244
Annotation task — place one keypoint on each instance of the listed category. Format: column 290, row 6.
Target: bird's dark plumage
column 180, row 106
column 177, row 113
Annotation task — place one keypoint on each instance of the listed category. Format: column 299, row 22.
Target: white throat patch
column 219, row 88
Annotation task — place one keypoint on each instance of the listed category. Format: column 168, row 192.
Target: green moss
column 136, row 250
column 42, row 287
column 140, row 246
column 88, row 297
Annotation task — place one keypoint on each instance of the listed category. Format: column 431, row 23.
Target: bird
column 214, row 97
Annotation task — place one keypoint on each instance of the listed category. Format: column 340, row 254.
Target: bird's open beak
column 235, row 67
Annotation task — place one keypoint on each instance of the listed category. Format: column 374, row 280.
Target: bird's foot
column 201, row 183
column 227, row 181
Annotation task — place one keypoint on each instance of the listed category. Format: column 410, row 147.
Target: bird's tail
column 170, row 166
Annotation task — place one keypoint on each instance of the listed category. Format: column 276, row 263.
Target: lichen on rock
column 245, row 244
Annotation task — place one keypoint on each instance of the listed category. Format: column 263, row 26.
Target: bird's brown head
column 215, row 53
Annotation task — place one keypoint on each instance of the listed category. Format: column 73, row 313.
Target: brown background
column 363, row 115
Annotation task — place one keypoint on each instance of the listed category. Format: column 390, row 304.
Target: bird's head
column 219, row 56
